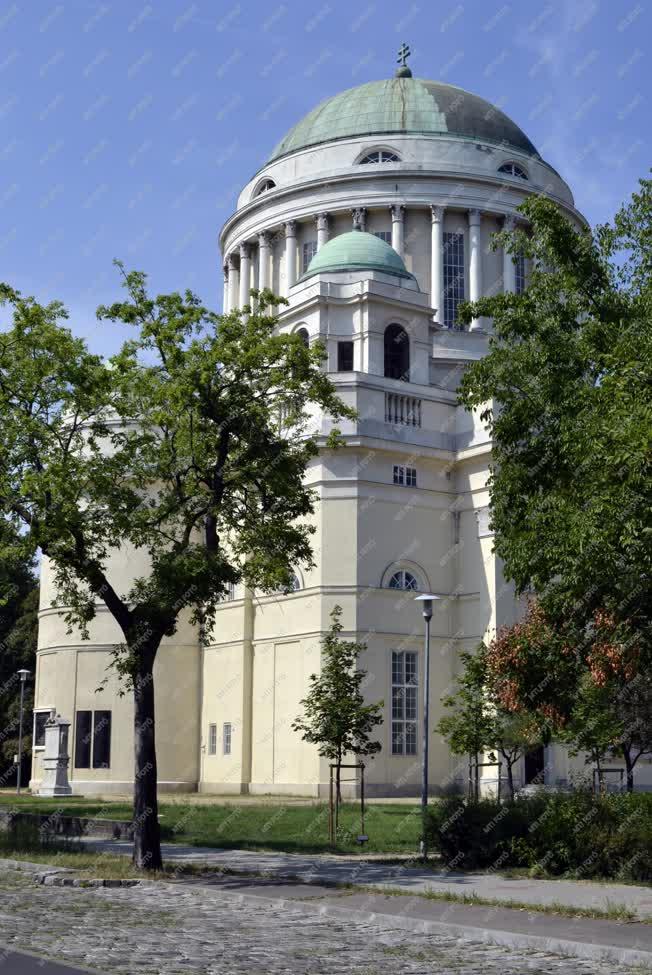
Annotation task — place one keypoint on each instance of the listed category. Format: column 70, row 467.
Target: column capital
column 359, row 215
column 474, row 218
column 225, row 269
column 245, row 250
column 510, row 222
column 230, row 260
column 397, row 211
column 290, row 228
column 264, row 238
column 437, row 212
column 321, row 219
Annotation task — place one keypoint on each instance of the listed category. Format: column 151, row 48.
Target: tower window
column 92, row 739
column 265, row 186
column 453, row 277
column 385, row 235
column 307, row 253
column 397, row 353
column 404, row 702
column 513, row 169
column 406, row 476
column 379, row 156
column 345, row 356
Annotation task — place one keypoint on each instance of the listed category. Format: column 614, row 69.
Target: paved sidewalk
column 343, row 870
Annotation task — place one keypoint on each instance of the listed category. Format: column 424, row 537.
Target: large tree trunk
column 147, row 837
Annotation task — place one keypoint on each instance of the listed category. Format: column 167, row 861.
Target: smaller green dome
column 357, row 251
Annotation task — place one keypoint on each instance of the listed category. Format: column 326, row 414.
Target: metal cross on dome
column 403, row 54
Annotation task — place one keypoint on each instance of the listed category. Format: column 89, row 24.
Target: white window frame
column 404, row 702
column 404, row 475
column 212, row 739
column 381, row 156
column 513, row 169
column 35, row 711
column 227, row 737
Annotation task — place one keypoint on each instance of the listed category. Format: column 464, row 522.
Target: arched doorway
column 397, row 353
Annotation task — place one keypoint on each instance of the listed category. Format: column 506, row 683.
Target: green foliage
column 335, row 717
column 577, row 834
column 569, row 364
column 18, row 636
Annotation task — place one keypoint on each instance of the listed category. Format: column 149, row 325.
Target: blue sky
column 129, row 127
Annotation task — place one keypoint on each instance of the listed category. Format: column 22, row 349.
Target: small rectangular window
column 307, row 253
column 102, row 739
column 226, row 738
column 385, row 235
column 345, row 356
column 40, row 717
column 406, row 476
column 404, row 702
column 212, row 739
column 83, row 738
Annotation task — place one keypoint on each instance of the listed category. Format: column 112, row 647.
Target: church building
column 373, row 216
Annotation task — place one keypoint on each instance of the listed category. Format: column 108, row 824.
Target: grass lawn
column 288, row 827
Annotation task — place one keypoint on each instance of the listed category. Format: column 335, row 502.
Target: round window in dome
column 379, row 156
column 513, row 169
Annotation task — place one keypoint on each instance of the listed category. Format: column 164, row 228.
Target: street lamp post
column 426, row 599
column 23, row 674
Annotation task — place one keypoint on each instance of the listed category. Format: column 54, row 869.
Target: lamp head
column 23, row 674
column 426, row 599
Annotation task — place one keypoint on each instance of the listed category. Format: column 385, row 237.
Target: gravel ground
column 196, row 929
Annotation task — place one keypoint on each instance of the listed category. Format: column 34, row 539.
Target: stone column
column 264, row 248
column 509, row 270
column 225, row 294
column 437, row 262
column 245, row 274
column 234, row 280
column 398, row 227
column 322, row 229
column 475, row 263
column 290, row 254
column 359, row 215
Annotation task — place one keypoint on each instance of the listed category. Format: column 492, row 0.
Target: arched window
column 402, row 579
column 513, row 169
column 293, row 586
column 303, row 335
column 397, row 353
column 267, row 184
column 379, row 156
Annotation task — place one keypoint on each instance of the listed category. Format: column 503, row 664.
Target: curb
column 57, row 880
column 506, row 939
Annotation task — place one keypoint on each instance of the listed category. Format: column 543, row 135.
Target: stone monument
column 55, row 757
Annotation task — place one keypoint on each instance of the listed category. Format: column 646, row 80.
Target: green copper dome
column 356, row 251
column 405, row 105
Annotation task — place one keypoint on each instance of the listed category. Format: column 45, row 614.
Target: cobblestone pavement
column 196, row 929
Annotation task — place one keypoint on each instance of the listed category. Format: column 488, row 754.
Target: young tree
column 478, row 722
column 190, row 445
column 335, row 717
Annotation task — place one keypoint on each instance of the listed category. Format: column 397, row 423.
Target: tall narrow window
column 307, row 253
column 519, row 274
column 453, row 277
column 345, row 356
column 303, row 335
column 212, row 739
column 83, row 738
column 226, row 738
column 397, row 353
column 404, row 702
column 102, row 739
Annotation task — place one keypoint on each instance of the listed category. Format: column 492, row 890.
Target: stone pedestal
column 55, row 757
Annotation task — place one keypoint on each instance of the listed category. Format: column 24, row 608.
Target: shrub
column 577, row 834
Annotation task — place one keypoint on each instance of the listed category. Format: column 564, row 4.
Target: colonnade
column 238, row 267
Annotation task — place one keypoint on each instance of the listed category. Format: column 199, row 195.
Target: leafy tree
column 477, row 721
column 190, row 446
column 569, row 369
column 335, row 717
column 18, row 634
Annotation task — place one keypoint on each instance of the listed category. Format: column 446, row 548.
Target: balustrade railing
column 402, row 410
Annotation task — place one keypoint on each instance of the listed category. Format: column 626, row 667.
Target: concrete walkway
column 414, row 879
